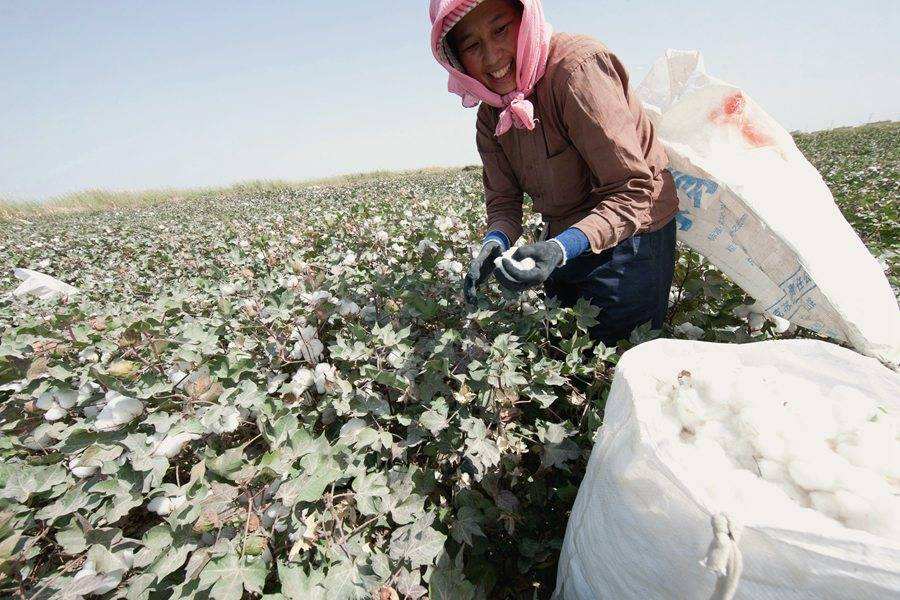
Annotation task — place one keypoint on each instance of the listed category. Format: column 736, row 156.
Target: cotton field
column 282, row 393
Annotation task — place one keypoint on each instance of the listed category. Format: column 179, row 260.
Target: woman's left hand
column 547, row 256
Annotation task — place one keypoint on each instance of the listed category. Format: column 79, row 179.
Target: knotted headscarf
column 532, row 51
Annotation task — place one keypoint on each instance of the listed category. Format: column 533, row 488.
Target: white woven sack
column 753, row 205
column 642, row 524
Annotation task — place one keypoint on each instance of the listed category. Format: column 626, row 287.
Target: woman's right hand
column 481, row 268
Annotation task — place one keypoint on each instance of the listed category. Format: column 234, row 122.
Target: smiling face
column 485, row 41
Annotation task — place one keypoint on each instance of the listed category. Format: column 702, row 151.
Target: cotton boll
column 689, row 330
column 795, row 493
column 160, row 505
column 526, row 264
column 756, row 321
column 347, row 308
column 715, row 430
column 303, row 380
column 720, row 383
column 118, row 411
column 66, row 398
column 863, row 483
column 754, row 383
column 172, row 445
column 323, row 373
column 309, row 347
column 368, row 313
column 177, row 502
column 873, row 447
column 55, row 413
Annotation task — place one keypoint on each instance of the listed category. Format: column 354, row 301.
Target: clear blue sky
column 128, row 95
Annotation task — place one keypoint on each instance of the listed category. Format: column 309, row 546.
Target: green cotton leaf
column 448, row 581
column 467, row 524
column 171, row 560
column 230, row 575
column 368, row 488
column 318, row 473
column 408, row 510
column 417, row 542
column 585, row 314
column 483, row 453
column 347, row 580
column 392, row 379
column 543, row 398
column 72, row 501
column 280, row 431
column 297, row 585
column 228, row 464
column 29, row 480
column 72, row 540
column 435, row 420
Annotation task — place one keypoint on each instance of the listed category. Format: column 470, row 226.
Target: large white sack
column 758, row 210
column 39, row 284
column 642, row 522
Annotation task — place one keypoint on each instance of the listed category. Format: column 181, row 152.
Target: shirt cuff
column 499, row 236
column 573, row 241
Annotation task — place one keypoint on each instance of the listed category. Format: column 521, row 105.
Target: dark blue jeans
column 629, row 283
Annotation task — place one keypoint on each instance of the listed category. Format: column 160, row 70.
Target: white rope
column 724, row 556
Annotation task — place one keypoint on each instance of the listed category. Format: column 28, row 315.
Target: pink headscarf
column 531, row 60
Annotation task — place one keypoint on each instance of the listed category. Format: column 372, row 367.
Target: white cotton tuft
column 172, row 445
column 160, row 505
column 118, row 411
column 767, row 440
column 526, row 264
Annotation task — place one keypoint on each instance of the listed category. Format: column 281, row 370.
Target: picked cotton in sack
column 767, row 436
column 772, row 466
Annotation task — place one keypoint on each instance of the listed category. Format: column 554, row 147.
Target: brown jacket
column 592, row 161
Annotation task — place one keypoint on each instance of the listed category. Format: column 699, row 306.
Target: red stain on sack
column 731, row 112
column 734, row 104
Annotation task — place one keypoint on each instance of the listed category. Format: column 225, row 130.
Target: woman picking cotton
column 558, row 121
